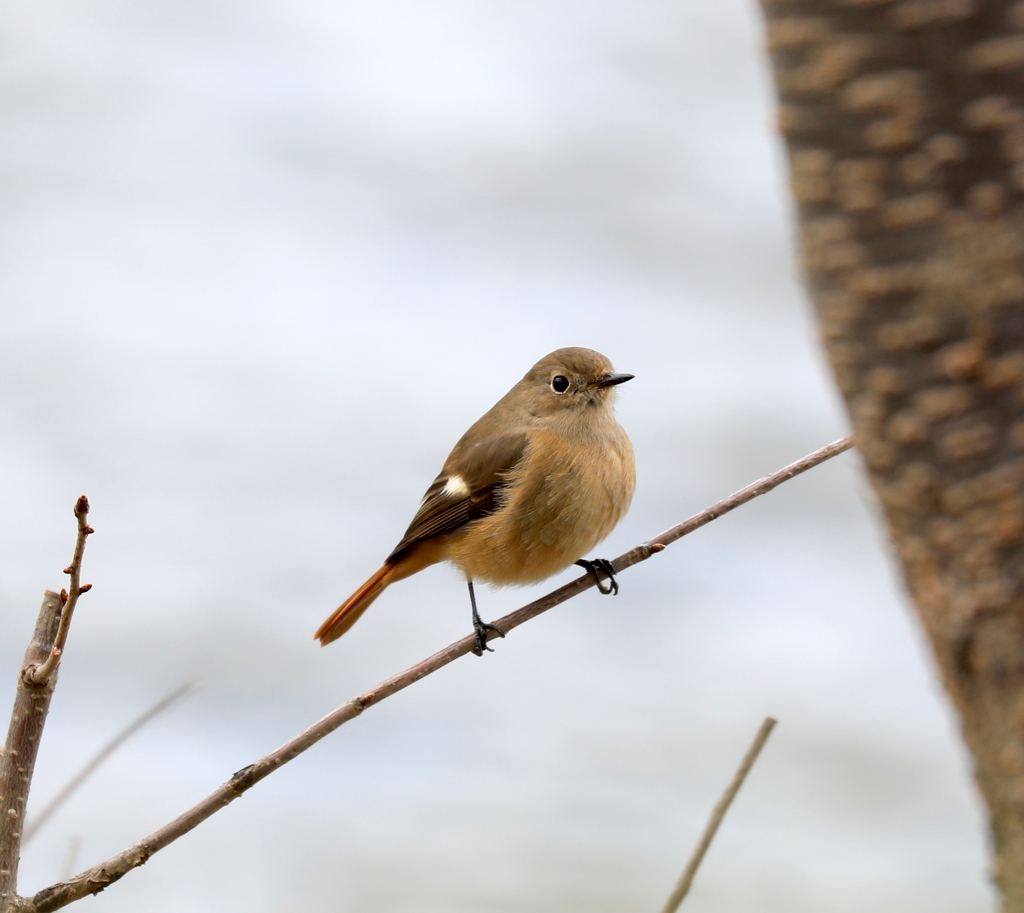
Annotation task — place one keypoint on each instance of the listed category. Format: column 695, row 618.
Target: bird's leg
column 602, row 564
column 481, row 627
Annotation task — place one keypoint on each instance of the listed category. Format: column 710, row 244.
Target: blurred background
column 262, row 264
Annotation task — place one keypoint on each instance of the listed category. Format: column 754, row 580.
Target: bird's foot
column 597, row 565
column 480, row 628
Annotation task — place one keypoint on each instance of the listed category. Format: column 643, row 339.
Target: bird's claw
column 480, row 628
column 597, row 565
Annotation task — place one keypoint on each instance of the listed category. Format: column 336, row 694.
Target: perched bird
column 535, row 484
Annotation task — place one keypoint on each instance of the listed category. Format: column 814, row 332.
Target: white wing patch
column 456, row 487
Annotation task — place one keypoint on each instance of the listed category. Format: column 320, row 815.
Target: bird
column 536, row 483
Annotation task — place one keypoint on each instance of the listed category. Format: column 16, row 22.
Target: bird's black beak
column 610, row 380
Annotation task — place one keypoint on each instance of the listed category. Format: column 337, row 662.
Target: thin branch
column 760, row 487
column 105, row 752
column 717, row 815
column 99, row 877
column 71, row 857
column 31, row 704
column 38, row 674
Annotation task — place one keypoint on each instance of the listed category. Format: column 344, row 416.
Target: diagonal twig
column 105, row 752
column 94, row 880
column 717, row 816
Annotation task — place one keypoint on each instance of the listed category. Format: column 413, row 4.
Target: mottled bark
column 905, row 126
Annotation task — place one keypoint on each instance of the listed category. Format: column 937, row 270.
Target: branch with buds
column 36, row 684
column 39, row 674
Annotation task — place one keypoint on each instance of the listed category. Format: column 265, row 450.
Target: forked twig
column 717, row 815
column 38, row 674
column 105, row 752
column 99, row 877
column 36, row 683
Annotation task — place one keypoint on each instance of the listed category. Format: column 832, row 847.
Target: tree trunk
column 905, row 128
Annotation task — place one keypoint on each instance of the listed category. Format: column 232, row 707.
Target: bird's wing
column 466, row 489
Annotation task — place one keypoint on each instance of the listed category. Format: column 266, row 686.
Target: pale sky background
column 262, row 264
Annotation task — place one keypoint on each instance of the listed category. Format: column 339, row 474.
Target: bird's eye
column 559, row 383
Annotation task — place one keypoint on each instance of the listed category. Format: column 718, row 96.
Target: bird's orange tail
column 350, row 611
column 407, row 562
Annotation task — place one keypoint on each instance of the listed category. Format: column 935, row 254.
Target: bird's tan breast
column 562, row 499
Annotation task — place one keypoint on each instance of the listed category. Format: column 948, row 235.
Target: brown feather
column 349, row 612
column 483, row 467
column 398, row 567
